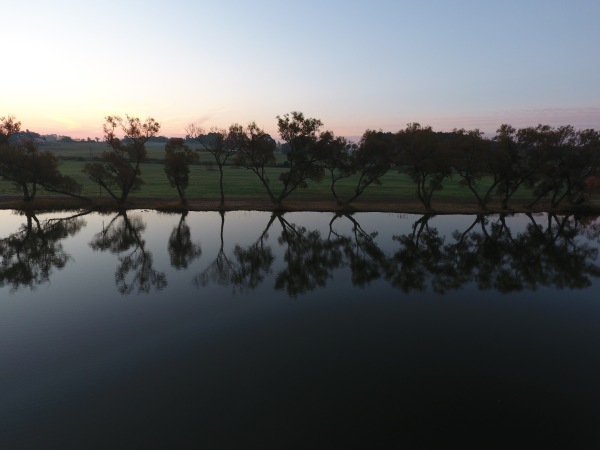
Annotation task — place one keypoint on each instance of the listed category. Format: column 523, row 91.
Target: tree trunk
column 221, row 185
column 26, row 197
column 181, row 194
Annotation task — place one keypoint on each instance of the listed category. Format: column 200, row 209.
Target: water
column 306, row 330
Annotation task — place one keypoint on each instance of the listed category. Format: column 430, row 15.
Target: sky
column 355, row 65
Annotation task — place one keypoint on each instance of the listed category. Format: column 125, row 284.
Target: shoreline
column 445, row 206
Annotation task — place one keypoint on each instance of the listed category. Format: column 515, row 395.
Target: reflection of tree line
column 487, row 254
column 246, row 268
column 28, row 257
column 490, row 255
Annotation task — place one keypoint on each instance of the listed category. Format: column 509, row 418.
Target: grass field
column 239, row 183
column 89, row 150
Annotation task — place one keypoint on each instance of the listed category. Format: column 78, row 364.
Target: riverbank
column 446, row 206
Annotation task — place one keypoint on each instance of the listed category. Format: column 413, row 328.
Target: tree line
column 557, row 164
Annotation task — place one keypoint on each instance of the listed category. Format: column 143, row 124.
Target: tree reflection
column 246, row 268
column 362, row 254
column 310, row 258
column 29, row 256
column 591, row 227
column 253, row 262
column 135, row 271
column 549, row 251
column 420, row 257
column 551, row 255
column 483, row 253
column 490, row 254
column 182, row 250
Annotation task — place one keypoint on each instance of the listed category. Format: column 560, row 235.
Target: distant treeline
column 557, row 164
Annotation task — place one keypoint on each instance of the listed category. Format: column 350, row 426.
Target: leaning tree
column 303, row 164
column 366, row 162
column 475, row 161
column 257, row 152
column 421, row 157
column 23, row 164
column 334, row 154
column 119, row 169
column 372, row 159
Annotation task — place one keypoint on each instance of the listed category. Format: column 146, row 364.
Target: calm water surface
column 302, row 330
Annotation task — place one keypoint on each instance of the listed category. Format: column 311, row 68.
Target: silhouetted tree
column 300, row 134
column 368, row 161
column 372, row 159
column 421, row 158
column 519, row 161
column 584, row 165
column 27, row 167
column 539, row 145
column 9, row 126
column 222, row 144
column 567, row 157
column 119, row 171
column 256, row 153
column 178, row 157
column 335, row 156
column 473, row 159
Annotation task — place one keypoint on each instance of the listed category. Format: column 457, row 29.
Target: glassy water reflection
column 250, row 329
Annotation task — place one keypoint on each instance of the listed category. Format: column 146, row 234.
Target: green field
column 204, row 182
column 88, row 150
column 239, row 183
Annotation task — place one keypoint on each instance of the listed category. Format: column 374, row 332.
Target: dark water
column 306, row 330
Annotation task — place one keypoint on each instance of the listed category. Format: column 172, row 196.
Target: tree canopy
column 28, row 168
column 221, row 143
column 119, row 171
column 178, row 157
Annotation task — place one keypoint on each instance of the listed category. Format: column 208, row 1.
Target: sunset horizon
column 354, row 67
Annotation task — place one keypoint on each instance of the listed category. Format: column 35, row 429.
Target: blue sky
column 353, row 64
